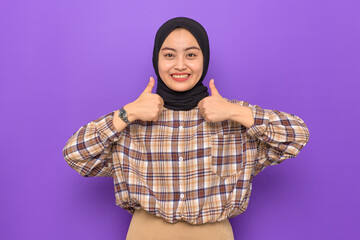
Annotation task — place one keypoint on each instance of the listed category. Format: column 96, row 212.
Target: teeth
column 181, row 76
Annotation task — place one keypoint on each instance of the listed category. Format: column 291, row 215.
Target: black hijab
column 188, row 99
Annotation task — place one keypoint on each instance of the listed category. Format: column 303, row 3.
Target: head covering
column 188, row 99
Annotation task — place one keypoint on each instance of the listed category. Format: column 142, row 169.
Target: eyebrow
column 193, row 47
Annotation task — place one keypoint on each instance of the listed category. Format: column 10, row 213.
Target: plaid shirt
column 182, row 168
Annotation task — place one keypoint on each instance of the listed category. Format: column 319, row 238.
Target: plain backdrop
column 66, row 63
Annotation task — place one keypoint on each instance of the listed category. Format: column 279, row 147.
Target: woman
column 182, row 160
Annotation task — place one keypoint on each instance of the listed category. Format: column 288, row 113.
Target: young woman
column 183, row 160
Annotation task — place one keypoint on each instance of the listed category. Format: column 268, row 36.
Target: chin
column 182, row 88
column 178, row 89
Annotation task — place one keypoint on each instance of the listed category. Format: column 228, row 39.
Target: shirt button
column 180, row 158
column 182, row 195
column 181, row 127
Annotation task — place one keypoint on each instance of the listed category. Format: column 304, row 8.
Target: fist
column 214, row 108
column 147, row 107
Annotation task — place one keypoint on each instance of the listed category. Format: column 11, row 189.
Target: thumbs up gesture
column 214, row 108
column 147, row 107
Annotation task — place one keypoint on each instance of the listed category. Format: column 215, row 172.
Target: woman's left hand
column 215, row 108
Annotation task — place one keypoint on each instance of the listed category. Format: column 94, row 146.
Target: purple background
column 66, row 63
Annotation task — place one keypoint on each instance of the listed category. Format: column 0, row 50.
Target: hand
column 215, row 108
column 147, row 107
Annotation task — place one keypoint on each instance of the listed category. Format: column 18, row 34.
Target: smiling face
column 180, row 60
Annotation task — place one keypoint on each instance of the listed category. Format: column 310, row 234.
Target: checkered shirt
column 182, row 168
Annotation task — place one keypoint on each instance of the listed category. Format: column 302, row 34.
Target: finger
column 161, row 104
column 156, row 118
column 206, row 119
column 200, row 104
column 150, row 85
column 162, row 101
column 202, row 113
column 213, row 89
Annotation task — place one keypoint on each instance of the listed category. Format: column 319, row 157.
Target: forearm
column 88, row 150
column 279, row 135
column 241, row 114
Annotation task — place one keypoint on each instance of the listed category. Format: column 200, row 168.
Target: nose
column 180, row 64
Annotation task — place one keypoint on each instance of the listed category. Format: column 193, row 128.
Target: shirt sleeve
column 89, row 150
column 280, row 135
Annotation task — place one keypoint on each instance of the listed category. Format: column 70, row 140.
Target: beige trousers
column 145, row 226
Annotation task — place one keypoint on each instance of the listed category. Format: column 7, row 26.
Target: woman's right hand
column 147, row 107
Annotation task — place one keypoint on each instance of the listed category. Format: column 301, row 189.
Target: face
column 180, row 60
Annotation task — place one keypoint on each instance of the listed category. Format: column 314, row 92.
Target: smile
column 180, row 78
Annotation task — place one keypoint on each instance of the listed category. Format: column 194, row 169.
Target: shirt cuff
column 106, row 129
column 261, row 121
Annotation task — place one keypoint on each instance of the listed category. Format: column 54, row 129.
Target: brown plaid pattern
column 182, row 168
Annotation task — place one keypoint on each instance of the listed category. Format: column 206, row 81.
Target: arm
column 89, row 150
column 281, row 135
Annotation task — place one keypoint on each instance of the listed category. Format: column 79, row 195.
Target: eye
column 169, row 55
column 193, row 55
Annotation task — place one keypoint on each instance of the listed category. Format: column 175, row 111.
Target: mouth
column 180, row 77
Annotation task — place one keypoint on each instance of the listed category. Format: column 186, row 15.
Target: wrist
column 233, row 111
column 242, row 114
column 129, row 112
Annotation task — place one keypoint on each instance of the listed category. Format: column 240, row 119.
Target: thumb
column 213, row 89
column 150, row 86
